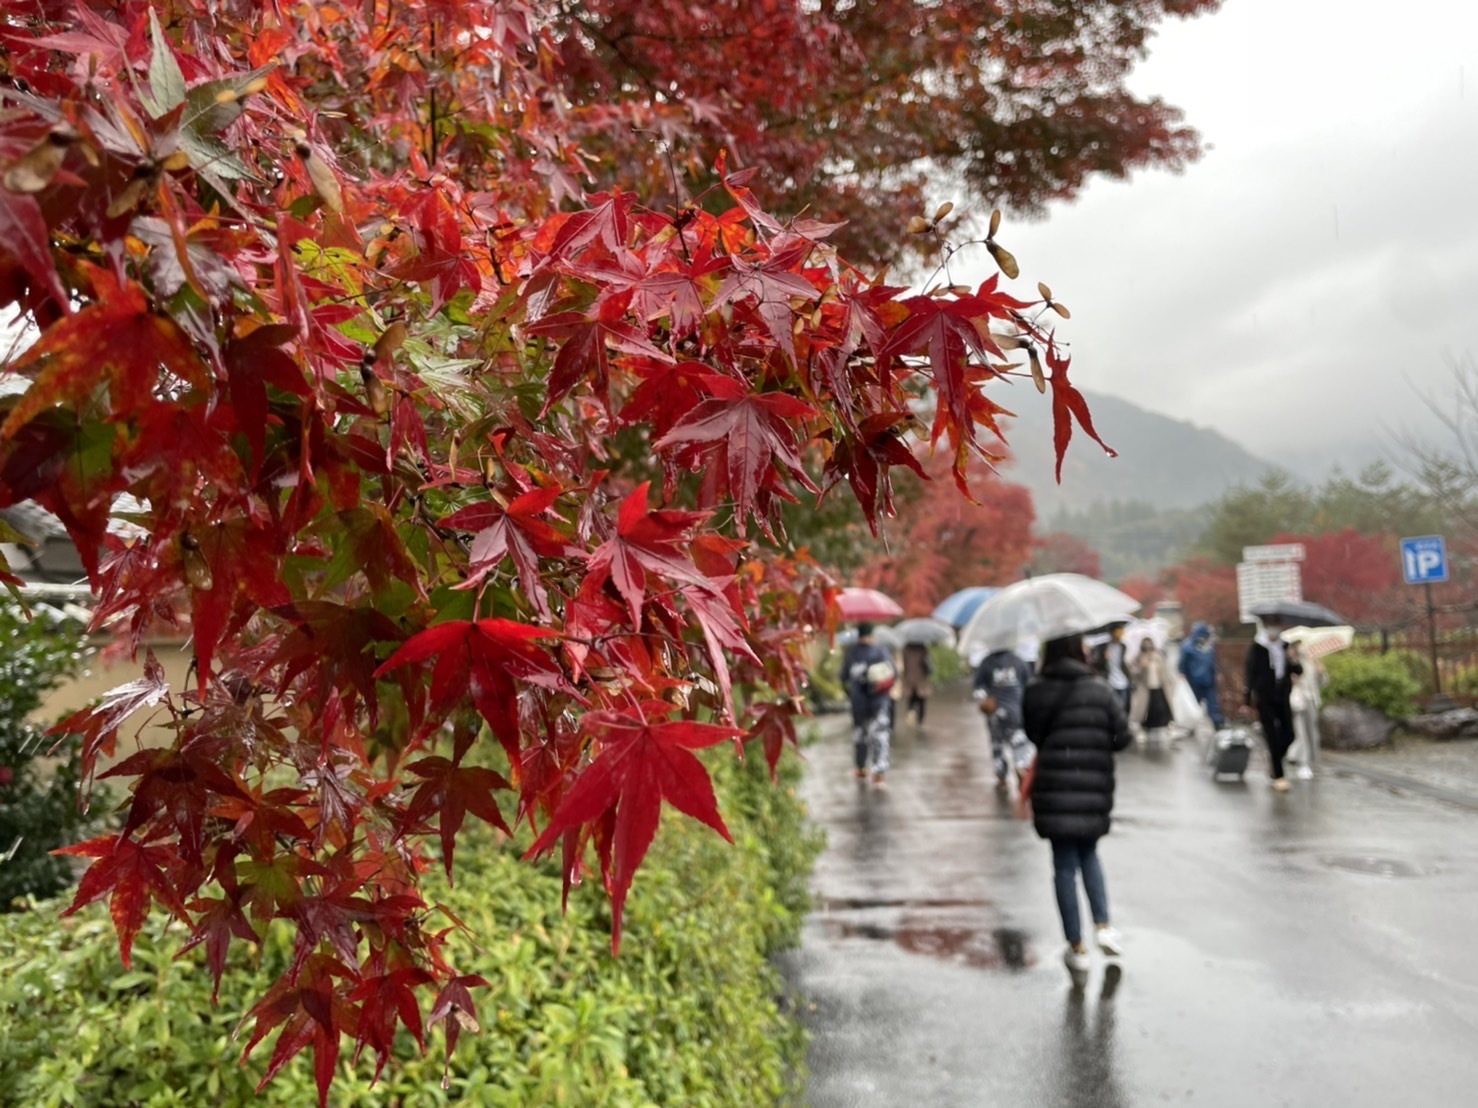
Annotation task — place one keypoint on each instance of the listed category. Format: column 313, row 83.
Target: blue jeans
column 1206, row 693
column 1068, row 857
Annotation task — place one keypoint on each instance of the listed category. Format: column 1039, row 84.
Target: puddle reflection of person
column 1087, row 1071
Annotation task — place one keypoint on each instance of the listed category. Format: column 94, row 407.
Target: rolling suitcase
column 1231, row 748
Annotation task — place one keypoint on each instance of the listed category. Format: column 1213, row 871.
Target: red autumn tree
column 464, row 483
column 1206, row 590
column 855, row 107
column 1148, row 592
column 1358, row 575
column 1061, row 552
column 941, row 542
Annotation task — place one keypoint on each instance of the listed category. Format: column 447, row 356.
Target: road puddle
column 1000, row 948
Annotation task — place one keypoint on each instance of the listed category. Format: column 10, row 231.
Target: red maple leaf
column 117, row 337
column 98, row 725
column 583, row 353
column 134, row 874
column 309, row 1009
column 386, row 1001
column 219, row 920
column 451, row 791
column 750, row 437
column 639, row 764
column 516, row 531
column 454, row 1004
column 1068, row 404
column 774, row 726
column 772, row 285
column 647, row 542
column 482, row 659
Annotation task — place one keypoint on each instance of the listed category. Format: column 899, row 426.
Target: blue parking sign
column 1424, row 560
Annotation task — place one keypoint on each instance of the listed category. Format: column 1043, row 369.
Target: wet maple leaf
column 752, row 440
column 118, row 339
column 98, row 724
column 450, row 791
column 482, row 660
column 518, row 531
column 1067, row 405
column 219, row 920
column 309, row 1008
column 131, row 875
column 647, row 541
column 773, row 727
column 638, row 765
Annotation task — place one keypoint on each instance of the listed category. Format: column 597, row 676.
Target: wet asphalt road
column 1313, row 948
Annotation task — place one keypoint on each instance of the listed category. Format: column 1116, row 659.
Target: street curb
column 1351, row 767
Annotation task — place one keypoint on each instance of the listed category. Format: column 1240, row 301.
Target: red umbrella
column 867, row 604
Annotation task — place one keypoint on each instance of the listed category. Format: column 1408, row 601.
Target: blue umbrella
column 956, row 610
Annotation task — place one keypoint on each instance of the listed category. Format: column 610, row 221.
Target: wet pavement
column 1311, row 948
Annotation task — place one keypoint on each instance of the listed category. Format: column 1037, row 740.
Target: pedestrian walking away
column 918, row 667
column 1111, row 661
column 1000, row 681
column 1078, row 724
column 1269, row 682
column 1304, row 699
column 870, row 674
column 1198, row 667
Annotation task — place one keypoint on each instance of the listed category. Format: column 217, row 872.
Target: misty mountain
column 1165, row 462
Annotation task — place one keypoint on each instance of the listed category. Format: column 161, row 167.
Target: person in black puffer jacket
column 1077, row 724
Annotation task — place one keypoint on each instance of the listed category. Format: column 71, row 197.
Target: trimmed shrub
column 38, row 795
column 1380, row 681
column 690, row 1013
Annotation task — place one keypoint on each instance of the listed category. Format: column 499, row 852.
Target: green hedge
column 690, row 1013
column 1380, row 681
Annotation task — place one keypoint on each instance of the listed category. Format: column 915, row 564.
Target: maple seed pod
column 325, row 184
column 1044, row 290
column 375, row 392
column 943, row 210
column 197, row 569
column 1038, row 377
column 995, row 223
column 144, row 178
column 1005, row 259
column 389, row 341
column 38, row 165
column 918, row 225
column 1061, row 310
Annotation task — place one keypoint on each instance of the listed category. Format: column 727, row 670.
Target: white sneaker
column 1304, row 773
column 1077, row 966
column 1110, row 941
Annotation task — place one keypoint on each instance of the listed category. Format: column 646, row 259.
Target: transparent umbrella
column 924, row 630
column 1043, row 608
column 885, row 637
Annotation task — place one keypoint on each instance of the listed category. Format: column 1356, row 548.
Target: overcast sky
column 1298, row 286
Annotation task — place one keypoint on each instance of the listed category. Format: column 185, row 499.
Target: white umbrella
column 1044, row 608
column 924, row 630
column 885, row 637
column 1156, row 630
column 1316, row 642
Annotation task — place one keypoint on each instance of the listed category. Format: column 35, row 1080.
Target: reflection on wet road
column 1302, row 949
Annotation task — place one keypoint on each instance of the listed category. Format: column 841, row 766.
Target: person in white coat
column 1304, row 700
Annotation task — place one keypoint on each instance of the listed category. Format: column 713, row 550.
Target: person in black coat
column 872, row 703
column 1077, row 723
column 1269, row 679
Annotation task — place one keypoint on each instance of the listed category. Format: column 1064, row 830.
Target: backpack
column 880, row 677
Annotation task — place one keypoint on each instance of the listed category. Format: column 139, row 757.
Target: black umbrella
column 1298, row 613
